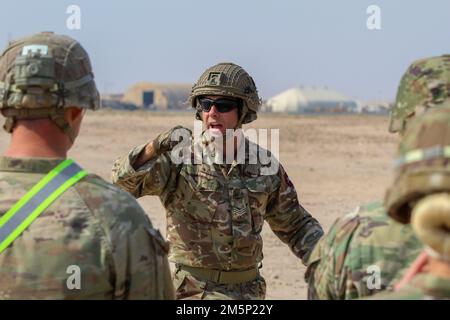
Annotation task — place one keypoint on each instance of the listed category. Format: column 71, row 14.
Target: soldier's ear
column 74, row 114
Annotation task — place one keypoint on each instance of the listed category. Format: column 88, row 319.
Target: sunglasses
column 222, row 105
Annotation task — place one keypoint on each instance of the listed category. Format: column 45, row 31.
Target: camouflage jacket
column 364, row 252
column 215, row 213
column 421, row 287
column 93, row 230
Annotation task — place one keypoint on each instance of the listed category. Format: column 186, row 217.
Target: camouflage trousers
column 191, row 288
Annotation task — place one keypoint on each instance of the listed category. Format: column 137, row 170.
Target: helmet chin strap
column 64, row 126
column 243, row 112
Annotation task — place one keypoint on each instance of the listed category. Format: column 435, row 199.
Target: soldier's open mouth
column 215, row 126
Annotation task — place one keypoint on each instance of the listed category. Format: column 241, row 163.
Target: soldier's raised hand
column 164, row 142
column 168, row 140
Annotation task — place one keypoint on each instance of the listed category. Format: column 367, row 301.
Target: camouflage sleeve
column 130, row 256
column 138, row 253
column 325, row 275
column 363, row 253
column 290, row 221
column 141, row 266
column 152, row 178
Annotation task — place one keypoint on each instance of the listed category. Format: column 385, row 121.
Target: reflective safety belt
column 35, row 201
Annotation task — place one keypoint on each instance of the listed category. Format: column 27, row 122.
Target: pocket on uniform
column 186, row 286
column 259, row 191
column 200, row 195
column 263, row 184
column 254, row 290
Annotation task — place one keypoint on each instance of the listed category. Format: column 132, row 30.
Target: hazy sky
column 280, row 43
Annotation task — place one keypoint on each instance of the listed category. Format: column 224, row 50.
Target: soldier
column 366, row 251
column 215, row 210
column 65, row 234
column 420, row 195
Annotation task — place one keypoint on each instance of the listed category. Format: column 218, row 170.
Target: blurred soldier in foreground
column 216, row 207
column 65, row 234
column 420, row 195
column 366, row 251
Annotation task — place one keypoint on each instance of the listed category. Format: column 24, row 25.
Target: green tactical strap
column 39, row 198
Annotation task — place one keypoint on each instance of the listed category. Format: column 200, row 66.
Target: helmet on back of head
column 426, row 84
column 41, row 75
column 423, row 164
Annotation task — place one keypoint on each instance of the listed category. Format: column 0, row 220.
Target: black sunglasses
column 222, row 104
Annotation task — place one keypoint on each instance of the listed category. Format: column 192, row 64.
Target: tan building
column 170, row 96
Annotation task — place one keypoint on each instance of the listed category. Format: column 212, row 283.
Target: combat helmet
column 42, row 74
column 426, row 84
column 423, row 163
column 228, row 79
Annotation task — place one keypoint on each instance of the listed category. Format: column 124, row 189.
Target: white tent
column 311, row 99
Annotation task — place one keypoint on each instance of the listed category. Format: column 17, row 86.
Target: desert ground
column 336, row 163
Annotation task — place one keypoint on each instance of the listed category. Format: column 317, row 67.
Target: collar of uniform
column 205, row 141
column 32, row 165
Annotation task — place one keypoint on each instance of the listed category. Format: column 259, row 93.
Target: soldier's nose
column 213, row 111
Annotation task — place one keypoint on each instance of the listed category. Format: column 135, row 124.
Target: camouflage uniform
column 338, row 266
column 215, row 214
column 421, row 287
column 93, row 226
column 342, row 262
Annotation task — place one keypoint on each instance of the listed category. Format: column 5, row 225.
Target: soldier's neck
column 41, row 142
